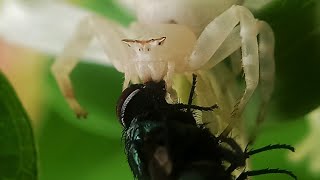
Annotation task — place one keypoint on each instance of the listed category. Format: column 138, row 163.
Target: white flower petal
column 43, row 25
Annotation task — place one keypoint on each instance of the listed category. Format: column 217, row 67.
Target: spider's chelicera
column 163, row 141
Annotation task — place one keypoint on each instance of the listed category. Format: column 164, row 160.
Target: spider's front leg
column 220, row 39
column 267, row 68
column 108, row 33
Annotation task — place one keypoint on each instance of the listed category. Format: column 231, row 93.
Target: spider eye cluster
column 144, row 45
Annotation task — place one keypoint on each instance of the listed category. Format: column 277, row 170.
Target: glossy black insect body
column 163, row 141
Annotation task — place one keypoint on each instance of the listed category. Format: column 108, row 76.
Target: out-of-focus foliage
column 17, row 153
column 92, row 149
column 309, row 147
column 108, row 8
column 89, row 148
column 296, row 24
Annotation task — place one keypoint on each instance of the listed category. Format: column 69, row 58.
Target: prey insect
column 163, row 140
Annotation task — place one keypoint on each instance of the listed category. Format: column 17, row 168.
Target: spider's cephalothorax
column 163, row 141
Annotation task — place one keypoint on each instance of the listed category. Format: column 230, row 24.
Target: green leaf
column 296, row 24
column 18, row 159
column 98, row 89
column 89, row 148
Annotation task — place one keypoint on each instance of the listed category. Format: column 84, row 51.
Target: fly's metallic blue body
column 164, row 142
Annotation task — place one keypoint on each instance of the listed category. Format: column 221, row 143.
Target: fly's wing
column 43, row 25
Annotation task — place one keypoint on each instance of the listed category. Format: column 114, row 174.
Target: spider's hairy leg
column 168, row 78
column 217, row 32
column 266, row 43
column 267, row 70
column 212, row 37
column 108, row 33
column 235, row 59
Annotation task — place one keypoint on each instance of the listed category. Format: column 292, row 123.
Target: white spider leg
column 235, row 58
column 250, row 62
column 126, row 81
column 109, row 34
column 266, row 62
column 229, row 47
column 267, row 67
column 168, row 79
column 214, row 35
column 170, row 73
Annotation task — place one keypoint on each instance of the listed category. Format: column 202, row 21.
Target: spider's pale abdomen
column 195, row 14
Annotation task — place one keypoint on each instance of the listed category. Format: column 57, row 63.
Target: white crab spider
column 167, row 49
column 196, row 14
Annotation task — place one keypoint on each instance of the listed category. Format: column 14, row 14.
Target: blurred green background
column 69, row 148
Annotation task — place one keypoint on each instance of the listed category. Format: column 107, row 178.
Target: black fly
column 163, row 141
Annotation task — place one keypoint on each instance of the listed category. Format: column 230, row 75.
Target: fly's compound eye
column 124, row 105
column 139, row 99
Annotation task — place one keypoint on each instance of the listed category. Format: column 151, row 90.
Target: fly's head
column 138, row 99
